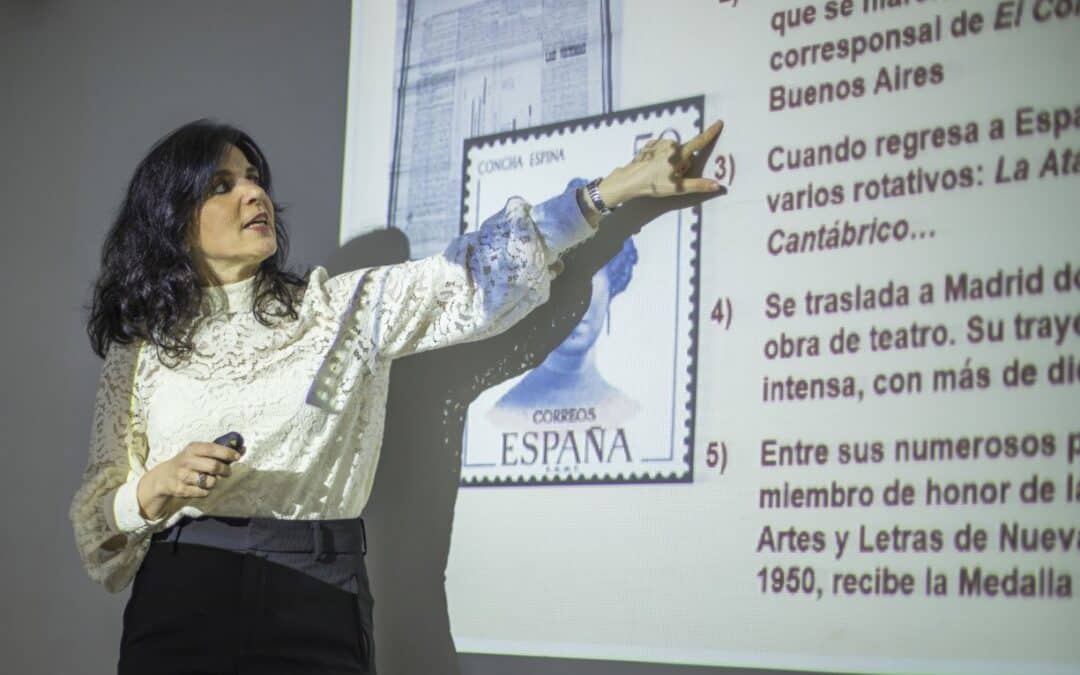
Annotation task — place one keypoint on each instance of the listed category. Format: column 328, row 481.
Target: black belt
column 319, row 537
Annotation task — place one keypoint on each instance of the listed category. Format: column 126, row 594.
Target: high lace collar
column 229, row 298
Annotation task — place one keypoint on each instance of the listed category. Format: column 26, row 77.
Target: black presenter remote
column 231, row 440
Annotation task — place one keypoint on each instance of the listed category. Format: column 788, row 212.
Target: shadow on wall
column 410, row 515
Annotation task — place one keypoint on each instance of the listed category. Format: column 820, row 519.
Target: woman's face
column 233, row 230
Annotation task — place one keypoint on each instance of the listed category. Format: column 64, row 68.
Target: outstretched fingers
column 703, row 139
column 683, row 160
column 699, row 185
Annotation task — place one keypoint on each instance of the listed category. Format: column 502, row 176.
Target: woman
column 251, row 556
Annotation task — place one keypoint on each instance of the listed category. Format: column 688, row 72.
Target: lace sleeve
column 109, row 541
column 483, row 283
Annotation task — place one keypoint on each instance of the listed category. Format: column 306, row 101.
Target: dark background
column 86, row 89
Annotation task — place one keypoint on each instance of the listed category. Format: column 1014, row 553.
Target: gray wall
column 85, row 88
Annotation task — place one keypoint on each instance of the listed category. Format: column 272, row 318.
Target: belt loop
column 174, row 536
column 363, row 538
column 317, row 534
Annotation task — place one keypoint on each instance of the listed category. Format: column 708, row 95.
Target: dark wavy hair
column 148, row 287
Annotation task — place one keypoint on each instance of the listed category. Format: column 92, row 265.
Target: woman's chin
column 267, row 252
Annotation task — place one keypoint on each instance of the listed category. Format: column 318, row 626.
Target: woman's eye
column 219, row 188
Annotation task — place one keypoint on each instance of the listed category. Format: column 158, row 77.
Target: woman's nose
column 252, row 191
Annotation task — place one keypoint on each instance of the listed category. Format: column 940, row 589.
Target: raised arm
column 483, row 282
column 487, row 280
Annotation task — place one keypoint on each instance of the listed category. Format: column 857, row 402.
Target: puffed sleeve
column 483, row 283
column 110, row 533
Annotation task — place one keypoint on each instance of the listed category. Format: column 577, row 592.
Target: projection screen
column 830, row 419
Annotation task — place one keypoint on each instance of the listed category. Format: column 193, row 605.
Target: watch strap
column 593, row 190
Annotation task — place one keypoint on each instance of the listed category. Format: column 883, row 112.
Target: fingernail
column 720, row 188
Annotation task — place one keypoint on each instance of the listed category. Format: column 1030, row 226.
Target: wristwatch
column 594, row 194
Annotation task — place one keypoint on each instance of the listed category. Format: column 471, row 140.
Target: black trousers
column 256, row 596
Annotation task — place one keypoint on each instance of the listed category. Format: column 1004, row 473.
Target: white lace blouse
column 308, row 396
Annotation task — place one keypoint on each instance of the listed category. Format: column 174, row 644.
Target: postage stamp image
column 614, row 401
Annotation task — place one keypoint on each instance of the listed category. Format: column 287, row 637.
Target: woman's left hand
column 659, row 170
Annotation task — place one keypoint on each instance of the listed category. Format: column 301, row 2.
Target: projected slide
column 581, row 416
column 879, row 364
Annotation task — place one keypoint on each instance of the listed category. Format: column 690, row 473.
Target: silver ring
column 202, row 480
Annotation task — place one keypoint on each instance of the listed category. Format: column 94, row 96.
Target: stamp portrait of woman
column 568, row 378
